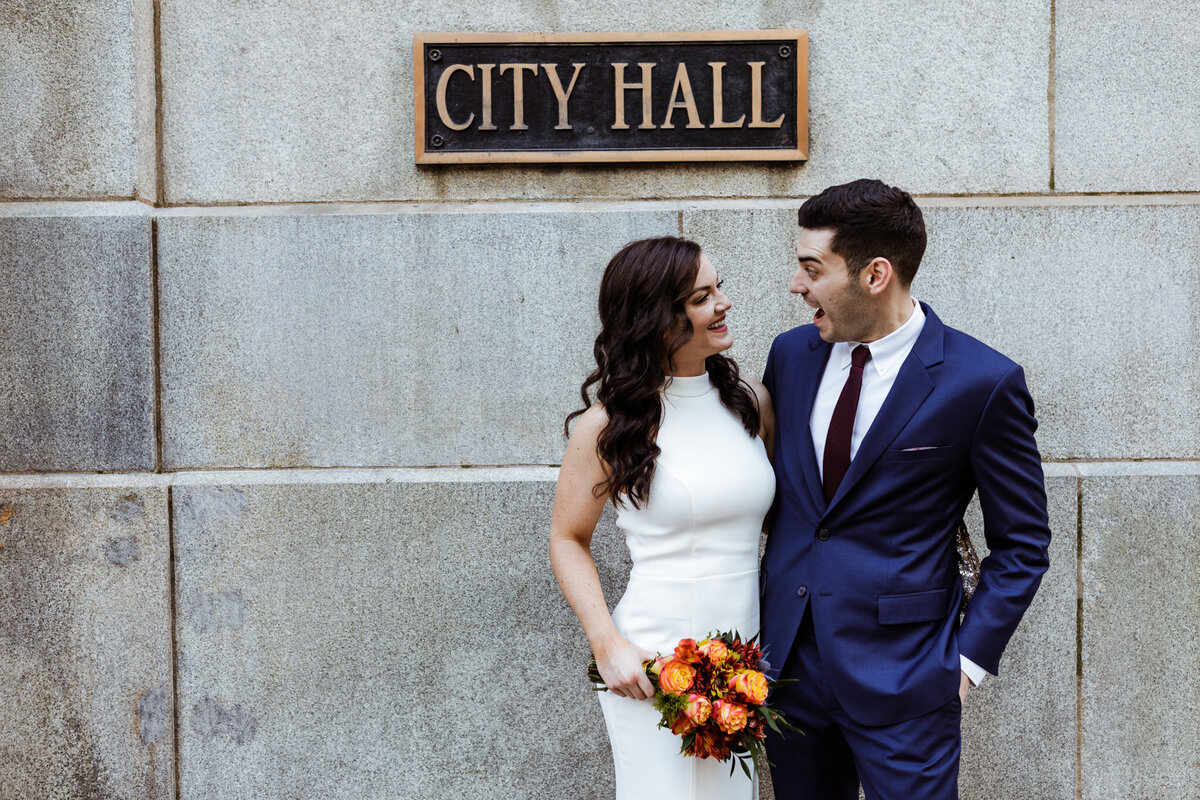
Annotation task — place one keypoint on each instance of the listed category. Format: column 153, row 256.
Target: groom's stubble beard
column 855, row 316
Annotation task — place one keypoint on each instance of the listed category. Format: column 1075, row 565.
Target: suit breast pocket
column 932, row 453
column 899, row 609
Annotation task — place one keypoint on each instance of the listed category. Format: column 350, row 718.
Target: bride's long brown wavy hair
column 642, row 297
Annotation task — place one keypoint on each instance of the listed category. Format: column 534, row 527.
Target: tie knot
column 860, row 356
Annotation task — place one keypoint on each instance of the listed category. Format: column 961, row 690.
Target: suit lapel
column 913, row 384
column 807, row 372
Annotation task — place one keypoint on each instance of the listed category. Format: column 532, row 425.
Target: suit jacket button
column 802, row 591
column 823, row 534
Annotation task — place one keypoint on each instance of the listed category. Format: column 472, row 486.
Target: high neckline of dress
column 682, row 386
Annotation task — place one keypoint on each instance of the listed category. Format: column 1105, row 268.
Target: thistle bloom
column 750, row 684
column 676, row 677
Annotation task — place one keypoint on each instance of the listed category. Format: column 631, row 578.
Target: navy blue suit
column 876, row 568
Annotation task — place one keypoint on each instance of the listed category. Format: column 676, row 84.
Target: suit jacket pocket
column 926, row 454
column 898, row 609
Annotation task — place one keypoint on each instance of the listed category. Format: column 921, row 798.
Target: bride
column 679, row 442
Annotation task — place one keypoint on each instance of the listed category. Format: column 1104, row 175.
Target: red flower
column 709, row 743
column 682, row 725
column 687, row 651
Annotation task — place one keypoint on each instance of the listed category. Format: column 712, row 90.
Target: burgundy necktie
column 841, row 426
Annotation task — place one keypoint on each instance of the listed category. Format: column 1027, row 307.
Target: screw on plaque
column 436, row 140
column 435, row 55
column 785, row 51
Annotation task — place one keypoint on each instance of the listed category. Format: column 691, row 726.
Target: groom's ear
column 877, row 276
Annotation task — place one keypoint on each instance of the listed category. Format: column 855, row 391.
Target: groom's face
column 843, row 307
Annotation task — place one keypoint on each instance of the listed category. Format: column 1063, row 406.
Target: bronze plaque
column 501, row 98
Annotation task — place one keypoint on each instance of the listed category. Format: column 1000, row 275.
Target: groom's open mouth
column 819, row 315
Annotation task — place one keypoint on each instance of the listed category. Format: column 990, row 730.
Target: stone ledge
column 514, row 474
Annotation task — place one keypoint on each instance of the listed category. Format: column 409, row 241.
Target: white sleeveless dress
column 694, row 546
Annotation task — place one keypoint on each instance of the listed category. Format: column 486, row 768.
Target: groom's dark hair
column 869, row 220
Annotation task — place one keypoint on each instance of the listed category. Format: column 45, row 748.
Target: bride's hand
column 622, row 666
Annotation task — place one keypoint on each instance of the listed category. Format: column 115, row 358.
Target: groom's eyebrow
column 809, row 260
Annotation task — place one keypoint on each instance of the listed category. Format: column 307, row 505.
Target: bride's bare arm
column 766, row 427
column 576, row 510
column 766, row 415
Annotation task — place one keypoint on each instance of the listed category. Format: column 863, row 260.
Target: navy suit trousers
column 916, row 759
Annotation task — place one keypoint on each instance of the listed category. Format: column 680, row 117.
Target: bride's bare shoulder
column 760, row 392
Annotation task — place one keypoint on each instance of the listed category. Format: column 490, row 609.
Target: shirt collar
column 888, row 353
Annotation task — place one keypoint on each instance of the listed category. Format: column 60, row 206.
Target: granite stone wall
column 280, row 412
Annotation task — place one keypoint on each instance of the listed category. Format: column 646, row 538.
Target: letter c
column 444, row 112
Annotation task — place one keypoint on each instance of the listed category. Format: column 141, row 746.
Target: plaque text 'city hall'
column 554, row 98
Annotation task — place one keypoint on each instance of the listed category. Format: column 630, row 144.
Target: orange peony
column 731, row 717
column 676, row 677
column 687, row 651
column 750, row 684
column 698, row 708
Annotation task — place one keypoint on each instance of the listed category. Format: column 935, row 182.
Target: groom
column 888, row 422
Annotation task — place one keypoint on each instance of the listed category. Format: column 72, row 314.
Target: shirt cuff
column 975, row 672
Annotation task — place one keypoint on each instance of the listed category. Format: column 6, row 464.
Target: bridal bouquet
column 713, row 694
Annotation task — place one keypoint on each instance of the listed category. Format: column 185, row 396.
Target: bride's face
column 706, row 307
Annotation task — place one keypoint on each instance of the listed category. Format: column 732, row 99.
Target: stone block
column 77, row 99
column 1110, row 350
column 383, row 640
column 1019, row 728
column 1141, row 636
column 1125, row 89
column 376, row 339
column 86, row 687
column 76, row 369
column 316, row 104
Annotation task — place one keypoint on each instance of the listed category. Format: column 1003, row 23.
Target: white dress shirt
column 879, row 375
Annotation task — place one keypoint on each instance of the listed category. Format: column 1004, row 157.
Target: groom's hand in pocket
column 964, row 686
column 622, row 666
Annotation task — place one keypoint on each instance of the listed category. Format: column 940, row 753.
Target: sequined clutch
column 968, row 565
